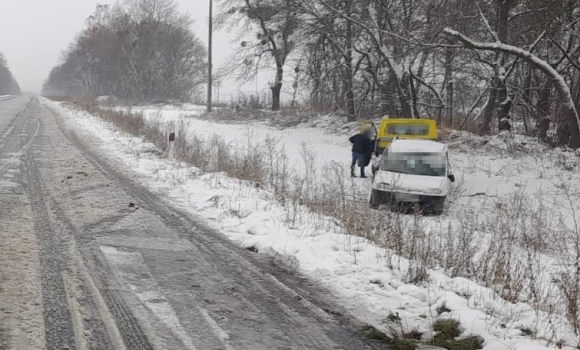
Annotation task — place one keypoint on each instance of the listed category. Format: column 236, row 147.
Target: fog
column 33, row 33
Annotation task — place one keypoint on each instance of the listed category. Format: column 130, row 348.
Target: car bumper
column 392, row 198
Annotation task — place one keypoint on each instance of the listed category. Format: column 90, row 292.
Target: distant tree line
column 8, row 85
column 487, row 65
column 139, row 50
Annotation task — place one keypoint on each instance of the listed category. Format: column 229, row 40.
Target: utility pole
column 210, row 43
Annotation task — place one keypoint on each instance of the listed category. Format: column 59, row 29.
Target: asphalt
column 90, row 259
column 10, row 106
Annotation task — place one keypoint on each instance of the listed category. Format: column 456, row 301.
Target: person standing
column 362, row 150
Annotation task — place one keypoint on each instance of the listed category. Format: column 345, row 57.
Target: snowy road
column 9, row 108
column 91, row 260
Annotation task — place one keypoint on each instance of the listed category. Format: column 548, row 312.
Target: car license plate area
column 406, row 198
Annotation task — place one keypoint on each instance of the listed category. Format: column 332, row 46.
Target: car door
column 450, row 174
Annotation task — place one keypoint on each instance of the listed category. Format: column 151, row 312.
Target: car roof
column 418, row 146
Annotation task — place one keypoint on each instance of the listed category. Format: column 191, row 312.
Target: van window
column 425, row 164
column 407, row 129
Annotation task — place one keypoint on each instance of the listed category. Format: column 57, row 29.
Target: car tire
column 372, row 203
column 395, row 207
column 439, row 206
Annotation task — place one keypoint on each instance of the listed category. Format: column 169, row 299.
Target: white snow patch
column 162, row 309
column 8, row 184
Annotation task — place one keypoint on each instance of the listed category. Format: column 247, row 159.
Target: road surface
column 91, row 260
column 10, row 106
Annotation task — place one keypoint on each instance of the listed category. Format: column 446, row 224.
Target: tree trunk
column 414, row 98
column 485, row 127
column 503, row 108
column 504, row 103
column 527, row 96
column 350, row 103
column 503, row 13
column 543, row 116
column 574, row 140
column 567, row 134
column 405, row 108
column 277, row 87
column 449, row 106
column 404, row 96
column 498, row 104
column 337, row 95
column 421, row 69
column 569, row 110
column 573, row 121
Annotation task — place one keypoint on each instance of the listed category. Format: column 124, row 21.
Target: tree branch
column 565, row 54
column 561, row 86
column 428, row 86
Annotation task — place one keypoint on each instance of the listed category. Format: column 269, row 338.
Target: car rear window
column 405, row 129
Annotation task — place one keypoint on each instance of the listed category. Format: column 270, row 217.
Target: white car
column 412, row 173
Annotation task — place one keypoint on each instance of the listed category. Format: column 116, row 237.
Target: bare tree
column 139, row 50
column 8, row 85
column 271, row 25
column 558, row 80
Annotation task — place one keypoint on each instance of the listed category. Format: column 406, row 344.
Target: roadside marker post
column 171, row 145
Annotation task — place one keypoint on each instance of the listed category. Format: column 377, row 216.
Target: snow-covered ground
column 324, row 147
column 488, row 170
column 370, row 281
column 485, row 165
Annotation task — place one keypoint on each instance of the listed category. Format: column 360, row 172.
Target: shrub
column 370, row 332
column 469, row 343
column 392, row 317
column 441, row 309
column 414, row 334
column 447, row 329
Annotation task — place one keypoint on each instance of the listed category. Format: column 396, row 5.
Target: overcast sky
column 33, row 33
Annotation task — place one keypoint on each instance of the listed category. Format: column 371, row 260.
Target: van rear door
column 405, row 128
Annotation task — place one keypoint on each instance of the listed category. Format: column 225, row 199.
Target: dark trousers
column 361, row 159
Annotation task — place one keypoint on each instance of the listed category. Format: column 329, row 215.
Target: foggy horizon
column 34, row 34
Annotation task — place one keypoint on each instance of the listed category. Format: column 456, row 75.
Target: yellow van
column 401, row 128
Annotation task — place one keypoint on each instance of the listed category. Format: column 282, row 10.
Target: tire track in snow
column 14, row 158
column 20, row 289
column 126, row 263
column 71, row 318
column 266, row 308
column 59, row 330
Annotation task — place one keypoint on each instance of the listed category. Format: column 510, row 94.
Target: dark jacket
column 362, row 144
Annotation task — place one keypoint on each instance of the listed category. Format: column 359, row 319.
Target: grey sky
column 33, row 33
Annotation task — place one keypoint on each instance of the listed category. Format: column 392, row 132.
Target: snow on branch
column 527, row 56
column 513, row 50
column 374, row 33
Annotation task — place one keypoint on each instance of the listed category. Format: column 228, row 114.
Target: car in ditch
column 412, row 175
